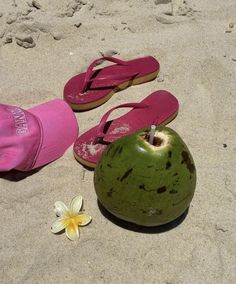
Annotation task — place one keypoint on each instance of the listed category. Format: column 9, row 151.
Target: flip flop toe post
column 94, row 87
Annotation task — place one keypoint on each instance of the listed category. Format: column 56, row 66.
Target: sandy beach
column 44, row 43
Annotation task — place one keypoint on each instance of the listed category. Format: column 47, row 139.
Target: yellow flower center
column 72, row 220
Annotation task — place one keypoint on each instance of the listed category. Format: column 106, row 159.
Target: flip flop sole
column 93, row 165
column 122, row 86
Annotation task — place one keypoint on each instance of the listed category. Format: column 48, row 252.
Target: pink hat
column 32, row 138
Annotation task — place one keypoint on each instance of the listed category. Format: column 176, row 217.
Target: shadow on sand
column 141, row 229
column 16, row 176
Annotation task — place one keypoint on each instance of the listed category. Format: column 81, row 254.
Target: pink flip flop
column 94, row 87
column 159, row 108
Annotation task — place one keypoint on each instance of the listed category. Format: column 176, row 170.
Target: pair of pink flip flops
column 94, row 87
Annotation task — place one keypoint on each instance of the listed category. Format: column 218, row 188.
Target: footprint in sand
column 178, row 10
column 157, row 2
column 35, row 4
column 25, row 24
column 73, row 7
column 25, row 40
column 230, row 28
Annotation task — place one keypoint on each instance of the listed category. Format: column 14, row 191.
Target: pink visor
column 32, row 138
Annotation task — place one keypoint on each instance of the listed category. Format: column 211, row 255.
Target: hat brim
column 59, row 130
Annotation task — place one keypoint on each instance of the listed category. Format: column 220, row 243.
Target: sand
column 42, row 44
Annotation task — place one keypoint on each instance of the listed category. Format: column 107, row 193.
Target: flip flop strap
column 89, row 72
column 113, row 80
column 100, row 133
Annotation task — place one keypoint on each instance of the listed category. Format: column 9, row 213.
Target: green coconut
column 146, row 183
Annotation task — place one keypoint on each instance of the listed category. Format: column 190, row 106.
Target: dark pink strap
column 89, row 71
column 103, row 121
column 111, row 80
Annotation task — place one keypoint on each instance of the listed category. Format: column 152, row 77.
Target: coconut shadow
column 141, row 229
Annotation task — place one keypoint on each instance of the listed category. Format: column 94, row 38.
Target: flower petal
column 72, row 232
column 60, row 208
column 76, row 204
column 58, row 225
column 84, row 219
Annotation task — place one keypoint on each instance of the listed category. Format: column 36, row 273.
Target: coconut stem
column 152, row 134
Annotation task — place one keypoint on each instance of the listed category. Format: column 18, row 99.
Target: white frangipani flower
column 70, row 219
